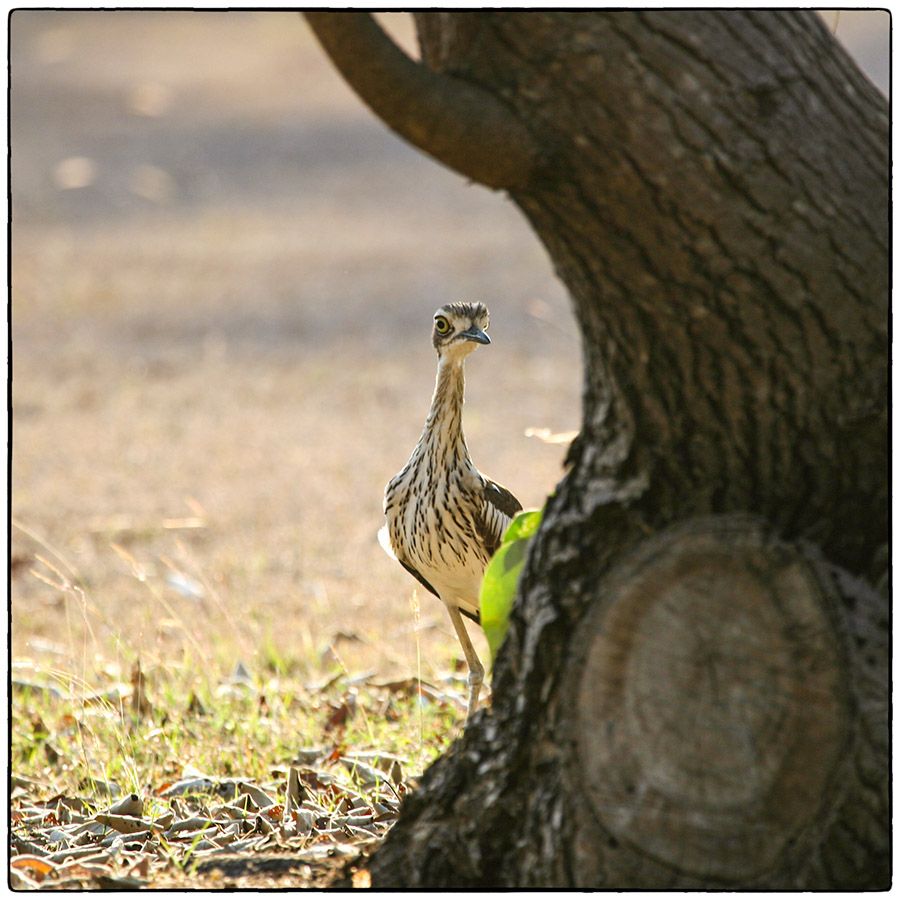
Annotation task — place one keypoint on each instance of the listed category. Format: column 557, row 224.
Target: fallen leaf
column 98, row 786
column 295, row 794
column 308, row 755
column 82, row 871
column 201, row 785
column 363, row 773
column 120, row 882
column 318, row 687
column 256, row 794
column 53, row 755
column 241, row 675
column 131, row 805
column 22, row 685
column 36, row 864
column 341, row 713
column 123, row 824
column 195, row 706
column 551, row 437
column 141, row 868
column 362, row 878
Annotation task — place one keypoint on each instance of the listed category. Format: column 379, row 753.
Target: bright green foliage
column 501, row 578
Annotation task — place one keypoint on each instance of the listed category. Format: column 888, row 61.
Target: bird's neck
column 443, row 426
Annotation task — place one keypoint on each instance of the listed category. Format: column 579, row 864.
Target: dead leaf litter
column 319, row 810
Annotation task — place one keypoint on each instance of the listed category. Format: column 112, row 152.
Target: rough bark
column 713, row 193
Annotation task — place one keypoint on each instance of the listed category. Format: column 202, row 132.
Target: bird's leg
column 476, row 669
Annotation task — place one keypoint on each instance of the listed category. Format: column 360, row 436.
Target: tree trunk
column 693, row 691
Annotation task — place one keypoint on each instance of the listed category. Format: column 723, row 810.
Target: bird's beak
column 475, row 334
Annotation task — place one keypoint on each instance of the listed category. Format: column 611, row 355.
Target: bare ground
column 228, row 323
column 224, row 270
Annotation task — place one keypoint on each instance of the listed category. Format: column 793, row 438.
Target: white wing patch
column 384, row 538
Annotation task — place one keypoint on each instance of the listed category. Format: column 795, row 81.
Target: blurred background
column 224, row 270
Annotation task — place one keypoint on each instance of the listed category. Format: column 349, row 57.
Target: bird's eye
column 441, row 325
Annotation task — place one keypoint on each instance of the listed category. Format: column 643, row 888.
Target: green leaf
column 501, row 578
column 523, row 526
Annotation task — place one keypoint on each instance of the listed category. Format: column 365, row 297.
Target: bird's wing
column 499, row 508
column 384, row 538
column 475, row 617
column 418, row 577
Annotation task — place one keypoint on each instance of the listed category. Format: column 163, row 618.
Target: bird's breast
column 431, row 519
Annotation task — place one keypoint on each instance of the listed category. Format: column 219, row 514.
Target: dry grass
column 250, row 352
column 224, row 271
column 221, row 356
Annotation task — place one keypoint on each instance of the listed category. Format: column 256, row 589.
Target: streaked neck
column 444, row 420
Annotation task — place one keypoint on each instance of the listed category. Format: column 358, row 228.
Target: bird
column 444, row 520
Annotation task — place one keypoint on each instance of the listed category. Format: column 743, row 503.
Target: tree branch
column 454, row 121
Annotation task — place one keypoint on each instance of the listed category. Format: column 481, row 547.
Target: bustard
column 444, row 518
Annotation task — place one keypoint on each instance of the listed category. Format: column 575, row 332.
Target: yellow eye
column 441, row 325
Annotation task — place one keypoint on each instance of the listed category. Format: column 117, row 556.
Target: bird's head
column 459, row 328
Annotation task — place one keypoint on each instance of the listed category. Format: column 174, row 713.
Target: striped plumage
column 444, row 518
